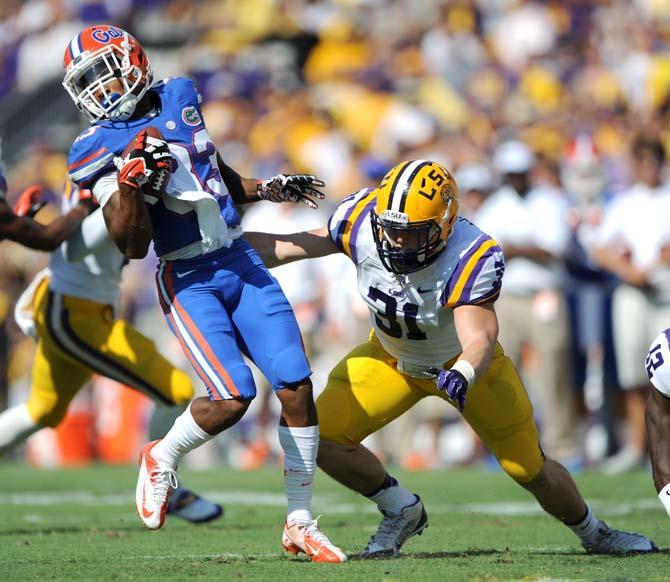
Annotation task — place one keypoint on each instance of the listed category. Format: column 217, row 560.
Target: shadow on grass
column 432, row 555
column 507, row 553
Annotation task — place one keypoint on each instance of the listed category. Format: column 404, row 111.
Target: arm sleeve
column 478, row 275
column 92, row 155
column 89, row 237
column 105, row 187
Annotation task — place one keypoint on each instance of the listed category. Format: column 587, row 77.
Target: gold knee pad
column 519, row 453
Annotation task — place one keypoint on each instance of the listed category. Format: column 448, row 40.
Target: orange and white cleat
column 154, row 485
column 309, row 539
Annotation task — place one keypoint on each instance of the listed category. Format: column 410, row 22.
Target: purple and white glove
column 455, row 381
column 291, row 188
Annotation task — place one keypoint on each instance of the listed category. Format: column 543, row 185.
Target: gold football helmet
column 417, row 204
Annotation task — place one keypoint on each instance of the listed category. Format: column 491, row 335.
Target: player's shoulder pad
column 92, row 154
column 345, row 223
column 657, row 363
column 181, row 92
column 477, row 276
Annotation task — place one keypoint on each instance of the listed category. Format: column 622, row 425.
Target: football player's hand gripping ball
column 291, row 188
column 454, row 384
column 145, row 164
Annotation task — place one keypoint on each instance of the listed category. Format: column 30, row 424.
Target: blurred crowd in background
column 554, row 116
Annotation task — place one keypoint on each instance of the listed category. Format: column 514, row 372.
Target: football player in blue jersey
column 217, row 295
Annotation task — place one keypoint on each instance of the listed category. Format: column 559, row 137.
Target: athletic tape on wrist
column 465, row 368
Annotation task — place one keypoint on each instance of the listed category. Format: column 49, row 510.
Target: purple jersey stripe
column 461, row 265
column 467, row 290
column 356, row 227
column 342, row 227
column 338, row 235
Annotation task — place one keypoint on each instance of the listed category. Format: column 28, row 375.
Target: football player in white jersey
column 70, row 310
column 430, row 280
column 657, row 364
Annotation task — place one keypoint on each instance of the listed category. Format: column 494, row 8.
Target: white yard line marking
column 328, row 503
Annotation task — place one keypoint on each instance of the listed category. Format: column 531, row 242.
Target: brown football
column 137, row 141
column 158, row 184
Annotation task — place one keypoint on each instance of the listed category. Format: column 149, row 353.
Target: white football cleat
column 154, row 485
column 615, row 541
column 395, row 530
column 309, row 539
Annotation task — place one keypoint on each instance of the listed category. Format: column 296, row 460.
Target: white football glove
column 291, row 188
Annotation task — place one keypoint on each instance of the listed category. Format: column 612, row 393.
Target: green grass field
column 80, row 525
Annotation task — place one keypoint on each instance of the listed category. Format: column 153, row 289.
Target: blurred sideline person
column 218, row 298
column 530, row 224
column 475, row 184
column 430, row 280
column 589, row 289
column 634, row 243
column 70, row 309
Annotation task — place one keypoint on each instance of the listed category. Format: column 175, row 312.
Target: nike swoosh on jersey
column 181, row 275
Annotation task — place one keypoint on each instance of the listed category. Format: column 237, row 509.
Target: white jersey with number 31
column 412, row 315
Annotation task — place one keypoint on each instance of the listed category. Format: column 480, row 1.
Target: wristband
column 466, row 369
column 664, row 496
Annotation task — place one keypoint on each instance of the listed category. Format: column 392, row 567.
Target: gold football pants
column 365, row 391
column 77, row 338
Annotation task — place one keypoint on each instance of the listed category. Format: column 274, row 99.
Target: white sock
column 586, row 529
column 16, row 425
column 392, row 498
column 184, row 436
column 300, row 446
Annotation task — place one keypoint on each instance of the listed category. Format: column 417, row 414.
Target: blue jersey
column 197, row 214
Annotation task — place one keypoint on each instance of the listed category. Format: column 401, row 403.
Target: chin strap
column 125, row 108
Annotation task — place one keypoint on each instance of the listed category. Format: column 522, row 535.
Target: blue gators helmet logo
column 190, row 116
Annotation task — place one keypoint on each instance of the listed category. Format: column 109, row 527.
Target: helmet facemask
column 88, row 82
column 415, row 209
column 421, row 243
